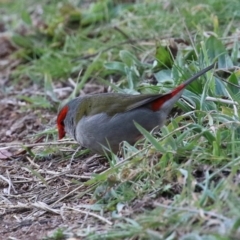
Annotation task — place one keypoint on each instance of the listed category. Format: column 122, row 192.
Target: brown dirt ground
column 35, row 192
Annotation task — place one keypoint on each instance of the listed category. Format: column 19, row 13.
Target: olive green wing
column 113, row 103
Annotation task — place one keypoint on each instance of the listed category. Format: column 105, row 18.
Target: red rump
column 156, row 105
column 60, row 122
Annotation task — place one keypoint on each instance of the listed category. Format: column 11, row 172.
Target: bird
column 100, row 122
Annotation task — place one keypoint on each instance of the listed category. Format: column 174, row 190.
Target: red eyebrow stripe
column 60, row 124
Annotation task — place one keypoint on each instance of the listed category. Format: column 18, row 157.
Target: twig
column 32, row 163
column 91, row 214
column 8, row 181
column 43, row 206
column 68, row 194
column 235, row 85
column 72, row 158
column 14, row 145
column 221, row 100
column 123, row 33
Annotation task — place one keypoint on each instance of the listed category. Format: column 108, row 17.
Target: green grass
column 182, row 183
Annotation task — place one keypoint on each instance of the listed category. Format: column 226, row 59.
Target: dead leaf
column 5, row 154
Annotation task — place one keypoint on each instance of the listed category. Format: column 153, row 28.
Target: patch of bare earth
column 39, row 193
column 41, row 196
